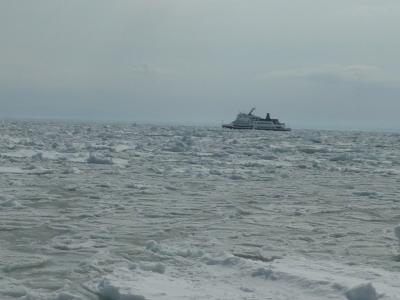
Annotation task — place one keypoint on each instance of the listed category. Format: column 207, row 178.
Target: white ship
column 250, row 121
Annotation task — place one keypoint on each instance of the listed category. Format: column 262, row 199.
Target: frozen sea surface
column 125, row 212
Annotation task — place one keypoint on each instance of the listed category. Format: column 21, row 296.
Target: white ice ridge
column 225, row 276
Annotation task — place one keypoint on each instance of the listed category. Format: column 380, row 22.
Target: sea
column 123, row 211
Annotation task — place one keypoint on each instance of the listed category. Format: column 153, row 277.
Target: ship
column 250, row 121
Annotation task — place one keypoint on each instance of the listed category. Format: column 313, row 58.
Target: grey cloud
column 148, row 69
column 200, row 60
column 336, row 73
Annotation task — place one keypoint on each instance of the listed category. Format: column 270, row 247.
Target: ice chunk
column 25, row 263
column 106, row 289
column 9, row 203
column 267, row 273
column 397, row 232
column 362, row 292
column 190, row 253
column 153, row 246
column 153, row 267
column 176, row 147
column 109, row 291
column 95, row 159
column 67, row 296
column 222, row 260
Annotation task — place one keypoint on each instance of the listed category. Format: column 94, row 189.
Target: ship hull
column 231, row 126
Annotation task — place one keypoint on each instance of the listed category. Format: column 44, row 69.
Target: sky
column 312, row 63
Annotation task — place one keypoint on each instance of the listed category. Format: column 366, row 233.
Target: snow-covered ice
column 122, row 212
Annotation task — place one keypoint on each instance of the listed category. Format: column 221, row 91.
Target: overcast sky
column 312, row 63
